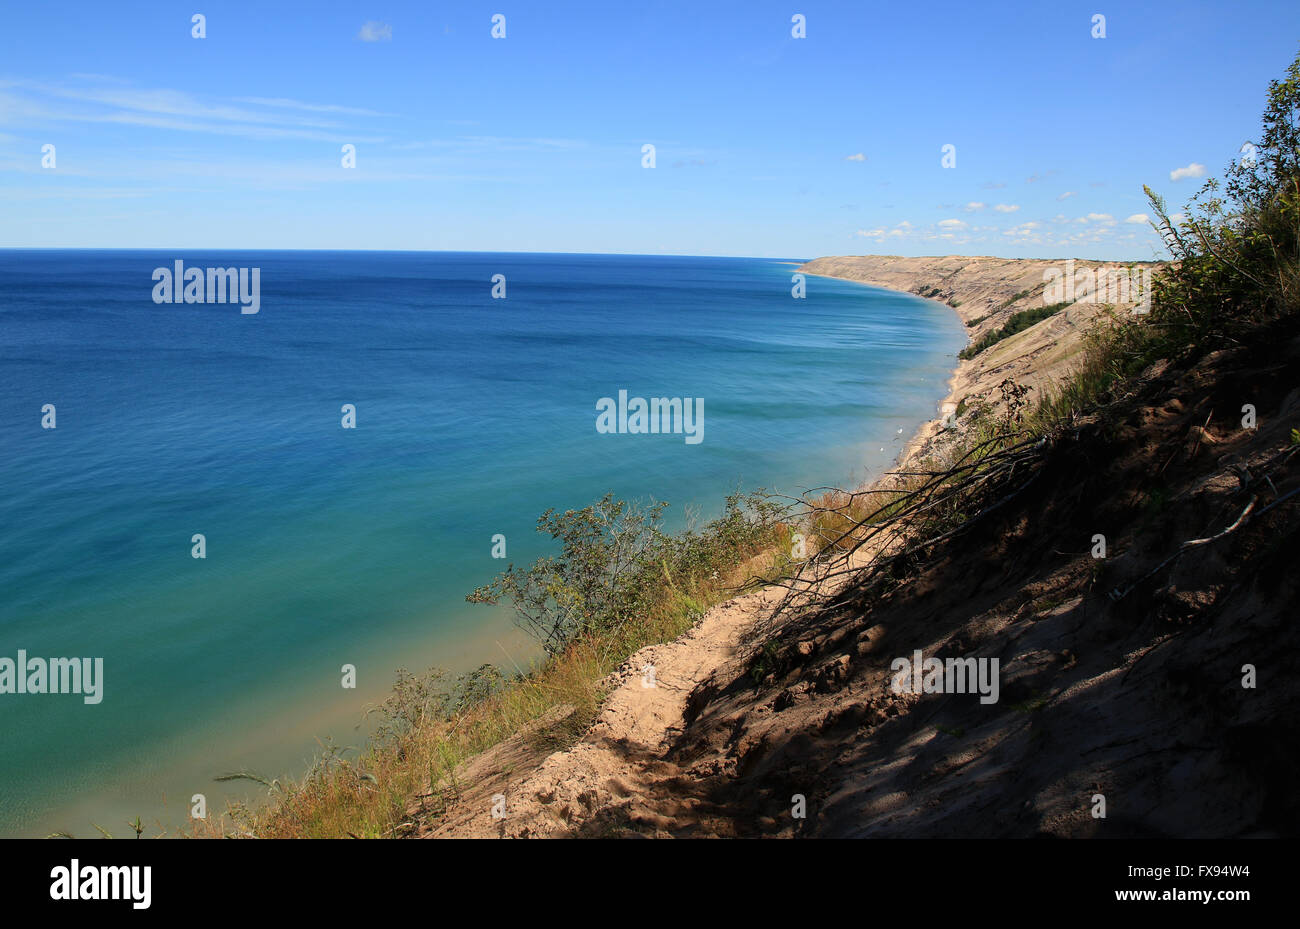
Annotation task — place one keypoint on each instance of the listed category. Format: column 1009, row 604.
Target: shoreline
column 983, row 292
column 552, row 794
column 918, row 436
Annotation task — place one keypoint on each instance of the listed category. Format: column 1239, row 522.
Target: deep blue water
column 328, row 546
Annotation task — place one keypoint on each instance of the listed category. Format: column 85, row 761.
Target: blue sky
column 766, row 145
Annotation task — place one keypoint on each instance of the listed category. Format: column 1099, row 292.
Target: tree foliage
column 1235, row 245
column 616, row 562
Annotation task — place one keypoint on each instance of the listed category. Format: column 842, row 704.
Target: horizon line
column 448, row 251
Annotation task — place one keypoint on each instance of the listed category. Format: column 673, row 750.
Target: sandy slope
column 747, row 713
column 991, row 289
column 622, row 758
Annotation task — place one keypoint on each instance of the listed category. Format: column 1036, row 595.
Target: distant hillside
column 986, row 293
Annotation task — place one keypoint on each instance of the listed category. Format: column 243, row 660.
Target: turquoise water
column 329, row 546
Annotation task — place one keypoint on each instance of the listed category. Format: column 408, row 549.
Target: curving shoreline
column 553, row 794
column 985, row 291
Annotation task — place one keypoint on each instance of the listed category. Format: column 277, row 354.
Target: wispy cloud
column 376, row 32
column 858, row 157
column 35, row 103
column 490, row 143
column 1006, row 207
column 102, row 78
column 902, row 230
column 284, row 103
column 1024, row 229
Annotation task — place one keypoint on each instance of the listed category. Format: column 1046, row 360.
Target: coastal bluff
column 765, row 722
column 985, row 293
column 710, row 752
column 973, row 287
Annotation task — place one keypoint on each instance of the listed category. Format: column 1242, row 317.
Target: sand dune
column 749, row 714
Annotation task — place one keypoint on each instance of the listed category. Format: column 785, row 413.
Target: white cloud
column 900, row 231
column 1023, row 229
column 166, row 102
column 162, row 108
column 376, row 32
column 1192, row 170
column 1138, row 218
column 310, row 107
column 973, row 206
column 858, row 157
column 1007, row 207
column 951, row 224
column 1066, row 196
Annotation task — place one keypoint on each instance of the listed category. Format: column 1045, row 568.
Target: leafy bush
column 616, row 563
column 1019, row 296
column 1236, row 243
column 1018, row 322
column 1235, row 266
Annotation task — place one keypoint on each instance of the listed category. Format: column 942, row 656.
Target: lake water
column 328, row 546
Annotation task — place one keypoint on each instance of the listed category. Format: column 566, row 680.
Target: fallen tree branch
column 1118, row 595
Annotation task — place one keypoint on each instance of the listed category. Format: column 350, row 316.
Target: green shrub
column 1235, row 266
column 1235, row 247
column 1018, row 322
column 616, row 563
column 1019, row 296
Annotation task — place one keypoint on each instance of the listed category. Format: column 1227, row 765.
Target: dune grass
column 430, row 724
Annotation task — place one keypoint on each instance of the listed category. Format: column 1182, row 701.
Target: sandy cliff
column 1119, row 678
column 987, row 292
